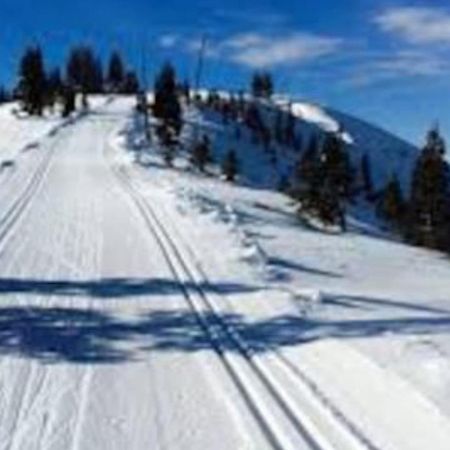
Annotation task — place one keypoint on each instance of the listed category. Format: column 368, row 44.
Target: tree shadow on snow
column 97, row 336
column 113, row 287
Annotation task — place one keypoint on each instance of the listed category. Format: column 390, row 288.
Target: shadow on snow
column 83, row 335
column 112, row 287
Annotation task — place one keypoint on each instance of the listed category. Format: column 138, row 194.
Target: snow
column 376, row 304
column 146, row 307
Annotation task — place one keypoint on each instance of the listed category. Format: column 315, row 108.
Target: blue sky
column 384, row 61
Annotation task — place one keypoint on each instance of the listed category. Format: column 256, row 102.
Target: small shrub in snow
column 201, row 154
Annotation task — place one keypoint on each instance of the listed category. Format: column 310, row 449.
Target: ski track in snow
column 292, row 428
column 60, row 231
column 206, row 214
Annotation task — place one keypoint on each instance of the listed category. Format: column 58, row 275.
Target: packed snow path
column 112, row 336
column 82, row 282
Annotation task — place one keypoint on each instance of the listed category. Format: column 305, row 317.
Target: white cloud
column 409, row 62
column 398, row 66
column 259, row 51
column 168, row 41
column 417, row 25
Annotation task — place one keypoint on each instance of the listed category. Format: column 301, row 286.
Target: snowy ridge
column 388, row 154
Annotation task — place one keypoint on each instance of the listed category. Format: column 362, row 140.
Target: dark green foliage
column 262, row 85
column 230, row 166
column 366, row 176
column 68, row 100
column 307, row 177
column 391, row 204
column 429, row 209
column 167, row 107
column 278, row 128
column 324, row 178
column 201, row 154
column 169, row 143
column 54, row 87
column 131, row 83
column 289, row 131
column 116, row 73
column 84, row 71
column 336, row 165
column 32, row 81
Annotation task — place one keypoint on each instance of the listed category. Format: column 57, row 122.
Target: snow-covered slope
column 146, row 307
column 364, row 318
column 387, row 153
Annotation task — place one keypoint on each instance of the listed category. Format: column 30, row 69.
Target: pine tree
column 429, row 211
column 336, row 165
column 257, row 85
column 307, row 177
column 230, row 166
column 201, row 154
column 262, row 85
column 97, row 82
column 391, row 206
column 278, row 127
column 167, row 107
column 84, row 71
column 325, row 179
column 169, row 142
column 32, row 81
column 289, row 132
column 116, row 73
column 366, row 175
column 54, row 87
column 131, row 83
column 68, row 100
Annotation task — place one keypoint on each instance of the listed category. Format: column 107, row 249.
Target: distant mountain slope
column 388, row 154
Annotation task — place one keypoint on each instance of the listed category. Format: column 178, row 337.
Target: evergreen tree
column 230, row 166
column 167, row 107
column 307, row 177
column 97, row 83
column 169, row 142
column 32, row 81
column 289, row 132
column 262, row 85
column 267, row 83
column 278, row 127
column 54, row 88
column 84, row 71
column 391, row 206
column 324, row 180
column 116, row 72
column 366, row 175
column 336, row 165
column 131, row 83
column 68, row 100
column 429, row 210
column 201, row 154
